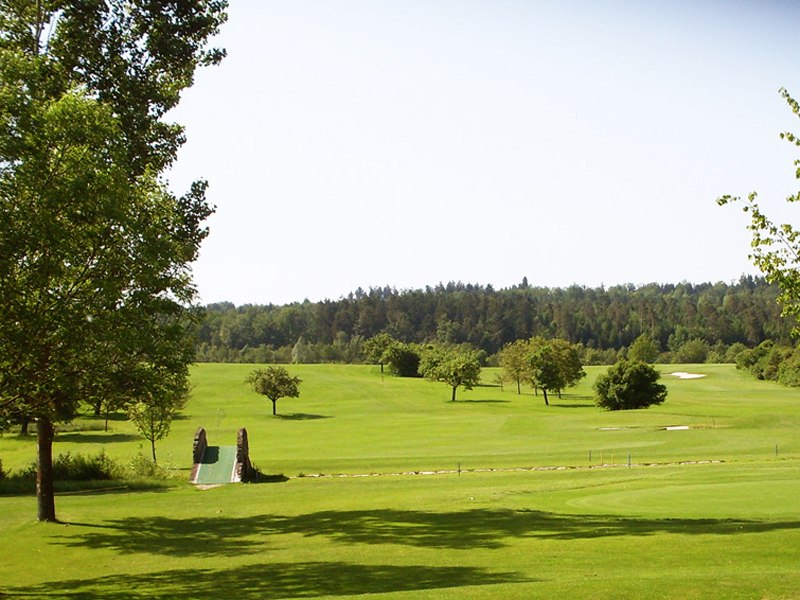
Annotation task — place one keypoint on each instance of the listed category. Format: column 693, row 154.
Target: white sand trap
column 677, row 428
column 684, row 375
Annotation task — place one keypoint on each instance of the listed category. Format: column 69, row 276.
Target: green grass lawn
column 673, row 525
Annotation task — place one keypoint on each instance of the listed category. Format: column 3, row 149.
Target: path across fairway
column 217, row 465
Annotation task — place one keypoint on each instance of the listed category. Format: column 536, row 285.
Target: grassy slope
column 693, row 531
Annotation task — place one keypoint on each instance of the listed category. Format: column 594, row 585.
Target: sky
column 352, row 143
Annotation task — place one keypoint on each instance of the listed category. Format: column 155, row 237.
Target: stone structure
column 244, row 469
column 200, row 445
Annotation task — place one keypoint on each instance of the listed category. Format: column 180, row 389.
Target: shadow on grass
column 27, row 487
column 269, row 580
column 96, row 437
column 480, row 528
column 485, row 401
column 301, row 417
column 574, row 405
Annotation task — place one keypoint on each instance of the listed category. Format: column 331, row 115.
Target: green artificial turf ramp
column 217, row 465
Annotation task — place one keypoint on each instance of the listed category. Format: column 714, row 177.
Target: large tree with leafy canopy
column 95, row 250
column 775, row 248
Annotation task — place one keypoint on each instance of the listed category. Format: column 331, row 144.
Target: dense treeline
column 600, row 319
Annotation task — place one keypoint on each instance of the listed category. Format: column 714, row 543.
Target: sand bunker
column 684, row 375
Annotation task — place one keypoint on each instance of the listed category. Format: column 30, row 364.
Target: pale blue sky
column 404, row 143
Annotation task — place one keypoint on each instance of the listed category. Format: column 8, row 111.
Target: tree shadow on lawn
column 301, row 417
column 96, row 437
column 484, row 401
column 479, row 528
column 269, row 580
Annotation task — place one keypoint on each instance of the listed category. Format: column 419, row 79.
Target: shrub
column 101, row 467
column 142, row 467
column 628, row 385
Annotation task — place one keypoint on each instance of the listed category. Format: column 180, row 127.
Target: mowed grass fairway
column 712, row 511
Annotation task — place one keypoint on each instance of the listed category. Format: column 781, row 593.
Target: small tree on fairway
column 153, row 416
column 629, row 385
column 274, row 383
column 455, row 366
column 514, row 361
column 375, row 349
column 544, row 371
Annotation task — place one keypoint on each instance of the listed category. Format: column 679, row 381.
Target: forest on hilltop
column 603, row 320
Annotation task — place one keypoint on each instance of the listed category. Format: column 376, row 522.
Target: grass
column 674, row 529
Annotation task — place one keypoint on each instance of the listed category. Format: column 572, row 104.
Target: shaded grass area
column 271, row 580
column 504, row 535
column 458, row 530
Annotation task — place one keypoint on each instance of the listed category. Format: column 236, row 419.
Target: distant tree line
column 684, row 322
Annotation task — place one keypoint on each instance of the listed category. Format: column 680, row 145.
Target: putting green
column 217, row 465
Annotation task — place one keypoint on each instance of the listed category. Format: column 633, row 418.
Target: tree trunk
column 153, row 448
column 544, row 393
column 45, row 495
column 453, row 399
column 519, row 388
column 25, row 420
column 274, row 408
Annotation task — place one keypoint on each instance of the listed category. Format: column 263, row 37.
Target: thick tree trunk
column 45, row 495
column 274, row 408
column 453, row 399
column 24, row 422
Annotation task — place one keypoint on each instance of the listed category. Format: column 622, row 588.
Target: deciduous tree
column 776, row 247
column 515, row 362
column 376, row 347
column 94, row 248
column 453, row 365
column 274, row 383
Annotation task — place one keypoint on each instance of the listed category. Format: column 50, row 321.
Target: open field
column 705, row 512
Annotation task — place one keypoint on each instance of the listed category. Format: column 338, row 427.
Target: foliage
column 692, row 351
column 644, row 349
column 153, row 413
column 775, row 248
column 515, row 362
column 376, row 348
column 95, row 249
column 274, row 383
column 603, row 320
column 402, row 359
column 455, row 366
column 629, row 385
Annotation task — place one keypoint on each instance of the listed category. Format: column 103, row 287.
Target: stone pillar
column 200, row 445
column 244, row 470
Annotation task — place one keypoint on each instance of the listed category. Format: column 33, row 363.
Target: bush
column 86, row 468
column 629, row 385
column 142, row 467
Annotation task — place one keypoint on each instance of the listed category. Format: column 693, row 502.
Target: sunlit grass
column 666, row 527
